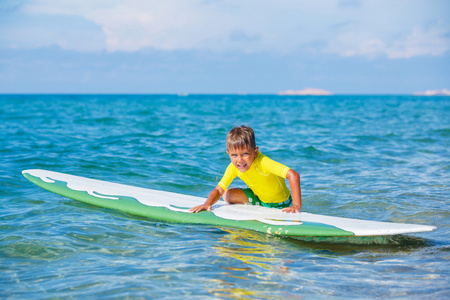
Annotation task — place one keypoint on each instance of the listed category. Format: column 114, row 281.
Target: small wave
column 311, row 151
column 443, row 132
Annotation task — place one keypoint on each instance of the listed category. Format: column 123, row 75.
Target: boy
column 263, row 176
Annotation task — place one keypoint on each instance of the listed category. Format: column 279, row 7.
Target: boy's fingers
column 290, row 210
column 194, row 209
column 200, row 208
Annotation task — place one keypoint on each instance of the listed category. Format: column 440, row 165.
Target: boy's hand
column 292, row 209
column 200, row 208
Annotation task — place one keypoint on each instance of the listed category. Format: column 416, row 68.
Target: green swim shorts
column 254, row 200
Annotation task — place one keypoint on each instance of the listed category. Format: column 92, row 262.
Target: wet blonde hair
column 241, row 137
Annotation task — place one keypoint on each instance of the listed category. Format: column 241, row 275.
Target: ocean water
column 383, row 158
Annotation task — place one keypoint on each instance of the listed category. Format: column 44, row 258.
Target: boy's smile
column 242, row 158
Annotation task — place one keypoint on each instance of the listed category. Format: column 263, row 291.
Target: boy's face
column 242, row 158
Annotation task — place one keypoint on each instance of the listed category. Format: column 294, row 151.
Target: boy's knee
column 226, row 196
column 235, row 196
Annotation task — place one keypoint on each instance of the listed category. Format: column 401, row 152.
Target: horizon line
column 225, row 94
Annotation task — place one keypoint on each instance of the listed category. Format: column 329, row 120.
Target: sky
column 224, row 46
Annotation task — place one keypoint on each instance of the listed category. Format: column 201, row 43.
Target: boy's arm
column 213, row 197
column 294, row 182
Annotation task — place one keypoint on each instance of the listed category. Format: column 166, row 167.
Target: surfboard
column 174, row 207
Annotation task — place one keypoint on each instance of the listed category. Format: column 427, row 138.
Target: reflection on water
column 248, row 247
column 254, row 257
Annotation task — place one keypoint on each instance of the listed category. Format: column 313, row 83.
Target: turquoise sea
column 384, row 158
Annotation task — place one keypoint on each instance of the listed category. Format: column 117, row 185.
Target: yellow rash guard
column 265, row 177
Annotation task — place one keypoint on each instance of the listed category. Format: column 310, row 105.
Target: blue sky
column 224, row 46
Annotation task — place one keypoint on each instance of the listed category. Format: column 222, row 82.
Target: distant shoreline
column 443, row 92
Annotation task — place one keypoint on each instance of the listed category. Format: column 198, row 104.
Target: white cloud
column 166, row 25
column 196, row 24
column 435, row 42
column 345, row 27
column 356, row 44
column 418, row 42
